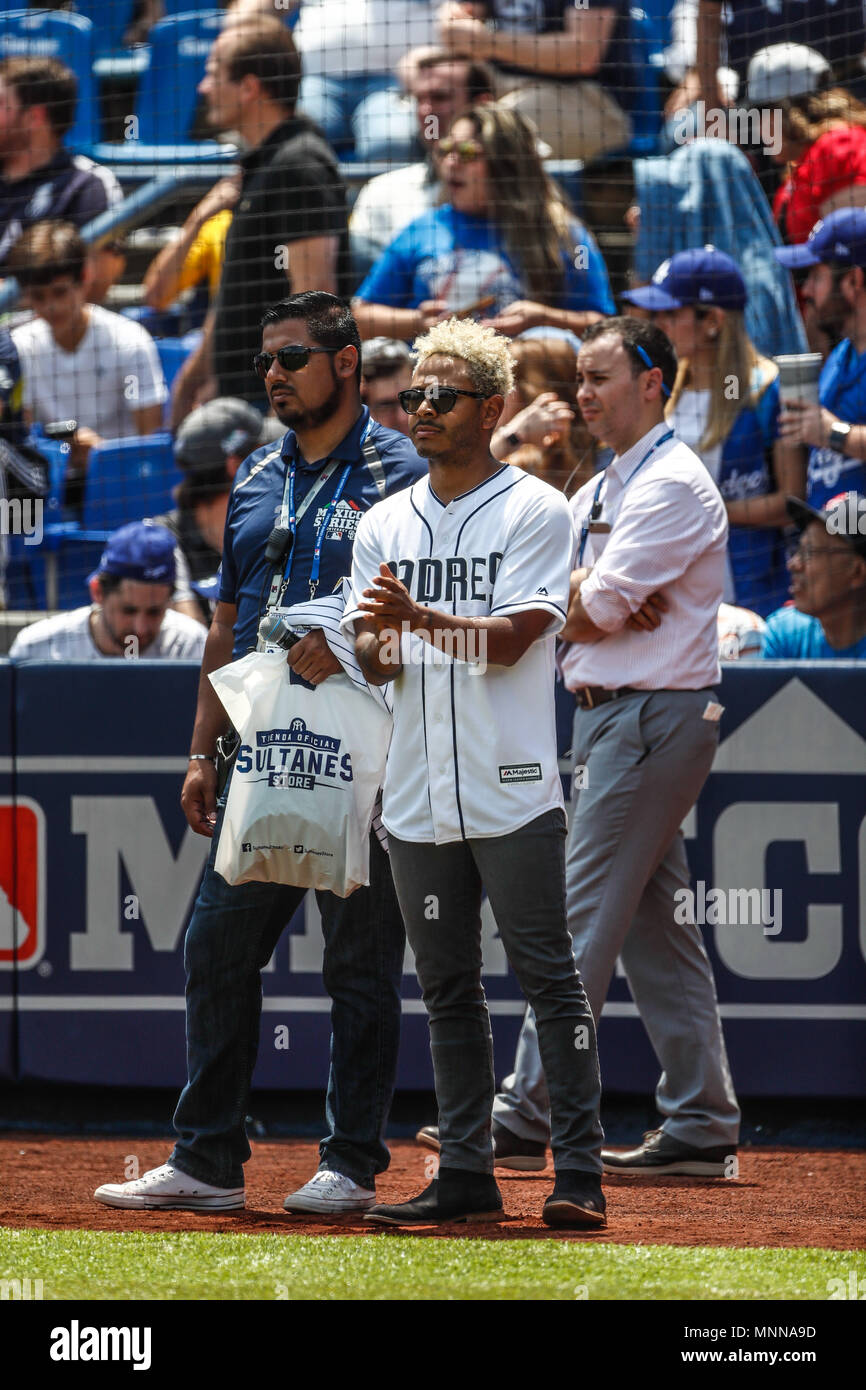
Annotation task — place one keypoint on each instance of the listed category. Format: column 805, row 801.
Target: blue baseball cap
column 701, row 277
column 142, row 550
column 839, row 239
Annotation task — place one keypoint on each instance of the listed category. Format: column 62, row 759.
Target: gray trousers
column 439, row 891
column 646, row 757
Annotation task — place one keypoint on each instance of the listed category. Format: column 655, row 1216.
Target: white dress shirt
column 669, row 532
column 473, row 752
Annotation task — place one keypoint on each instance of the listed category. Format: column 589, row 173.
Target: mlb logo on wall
column 22, row 884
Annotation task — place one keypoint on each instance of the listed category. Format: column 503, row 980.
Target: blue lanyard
column 322, row 531
column 595, row 510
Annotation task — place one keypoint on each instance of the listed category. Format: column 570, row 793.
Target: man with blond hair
column 459, row 586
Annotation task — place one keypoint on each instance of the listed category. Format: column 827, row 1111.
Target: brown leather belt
column 588, row 696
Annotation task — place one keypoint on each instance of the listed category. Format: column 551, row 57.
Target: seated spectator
column 732, row 33
column 443, row 85
column 130, row 615
column 386, row 368
column 828, row 581
column 79, row 361
column 505, row 246
column 725, row 406
column 835, row 291
column 565, row 66
column 821, row 142
column 707, row 191
column 741, row 633
column 106, row 263
column 40, row 179
column 210, row 446
column 541, row 429
column 196, row 256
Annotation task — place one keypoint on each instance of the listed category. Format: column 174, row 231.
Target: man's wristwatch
column 201, row 757
column 839, row 432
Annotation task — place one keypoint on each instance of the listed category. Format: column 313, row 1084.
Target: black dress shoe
column 520, row 1155
column 455, row 1195
column 576, row 1201
column 661, row 1156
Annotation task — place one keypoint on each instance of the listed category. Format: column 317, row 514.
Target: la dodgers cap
column 836, row 515
column 701, row 276
column 785, row 70
column 838, row 239
column 141, row 550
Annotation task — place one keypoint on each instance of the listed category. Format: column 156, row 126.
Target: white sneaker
column 329, row 1192
column 170, row 1189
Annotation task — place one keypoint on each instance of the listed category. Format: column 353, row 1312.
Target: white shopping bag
column 305, row 779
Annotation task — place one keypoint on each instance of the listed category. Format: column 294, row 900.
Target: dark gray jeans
column 439, row 891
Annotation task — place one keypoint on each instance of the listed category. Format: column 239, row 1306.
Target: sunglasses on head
column 291, row 359
column 442, row 398
column 466, row 150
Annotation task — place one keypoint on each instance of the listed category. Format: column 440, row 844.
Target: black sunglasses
column 442, row 398
column 291, row 359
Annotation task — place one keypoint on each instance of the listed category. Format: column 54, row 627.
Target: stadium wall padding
column 99, row 873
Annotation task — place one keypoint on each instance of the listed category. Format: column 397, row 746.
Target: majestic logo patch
column 520, row 772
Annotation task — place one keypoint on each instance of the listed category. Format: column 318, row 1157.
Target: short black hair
column 44, row 82
column 639, row 333
column 330, row 322
column 44, row 252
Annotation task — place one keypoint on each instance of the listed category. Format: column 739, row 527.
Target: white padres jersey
column 474, row 747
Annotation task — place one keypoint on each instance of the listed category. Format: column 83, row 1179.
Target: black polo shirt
column 291, row 190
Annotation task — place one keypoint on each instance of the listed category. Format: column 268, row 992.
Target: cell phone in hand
column 60, row 429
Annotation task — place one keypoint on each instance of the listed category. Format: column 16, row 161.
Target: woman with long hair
column 823, row 145
column 541, row 429
column 505, row 246
column 725, row 406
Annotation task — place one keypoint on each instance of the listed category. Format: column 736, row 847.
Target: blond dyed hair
column 485, row 352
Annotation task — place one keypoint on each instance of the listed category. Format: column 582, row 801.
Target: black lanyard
column 596, row 508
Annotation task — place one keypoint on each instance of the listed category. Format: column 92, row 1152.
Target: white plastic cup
column 798, row 376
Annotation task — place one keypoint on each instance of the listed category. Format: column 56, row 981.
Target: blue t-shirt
column 254, row 508
column 842, row 389
column 448, row 255
column 794, row 636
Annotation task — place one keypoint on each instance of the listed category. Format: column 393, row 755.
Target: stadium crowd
column 308, row 307
column 469, row 103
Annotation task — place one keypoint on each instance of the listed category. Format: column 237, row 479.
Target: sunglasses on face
column 466, row 150
column 442, row 398
column 291, row 359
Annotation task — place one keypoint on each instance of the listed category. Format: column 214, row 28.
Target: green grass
column 136, row 1265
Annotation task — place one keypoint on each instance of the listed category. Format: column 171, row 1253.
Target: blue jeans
column 367, row 111
column 230, row 938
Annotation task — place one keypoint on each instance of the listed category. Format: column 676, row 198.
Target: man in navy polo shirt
column 331, row 466
column 836, row 288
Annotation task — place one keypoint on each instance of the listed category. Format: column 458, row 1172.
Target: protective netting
column 167, row 172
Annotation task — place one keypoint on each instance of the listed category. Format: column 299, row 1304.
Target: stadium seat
column 52, row 34
column 128, row 479
column 110, row 20
column 173, row 352
column 168, row 96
